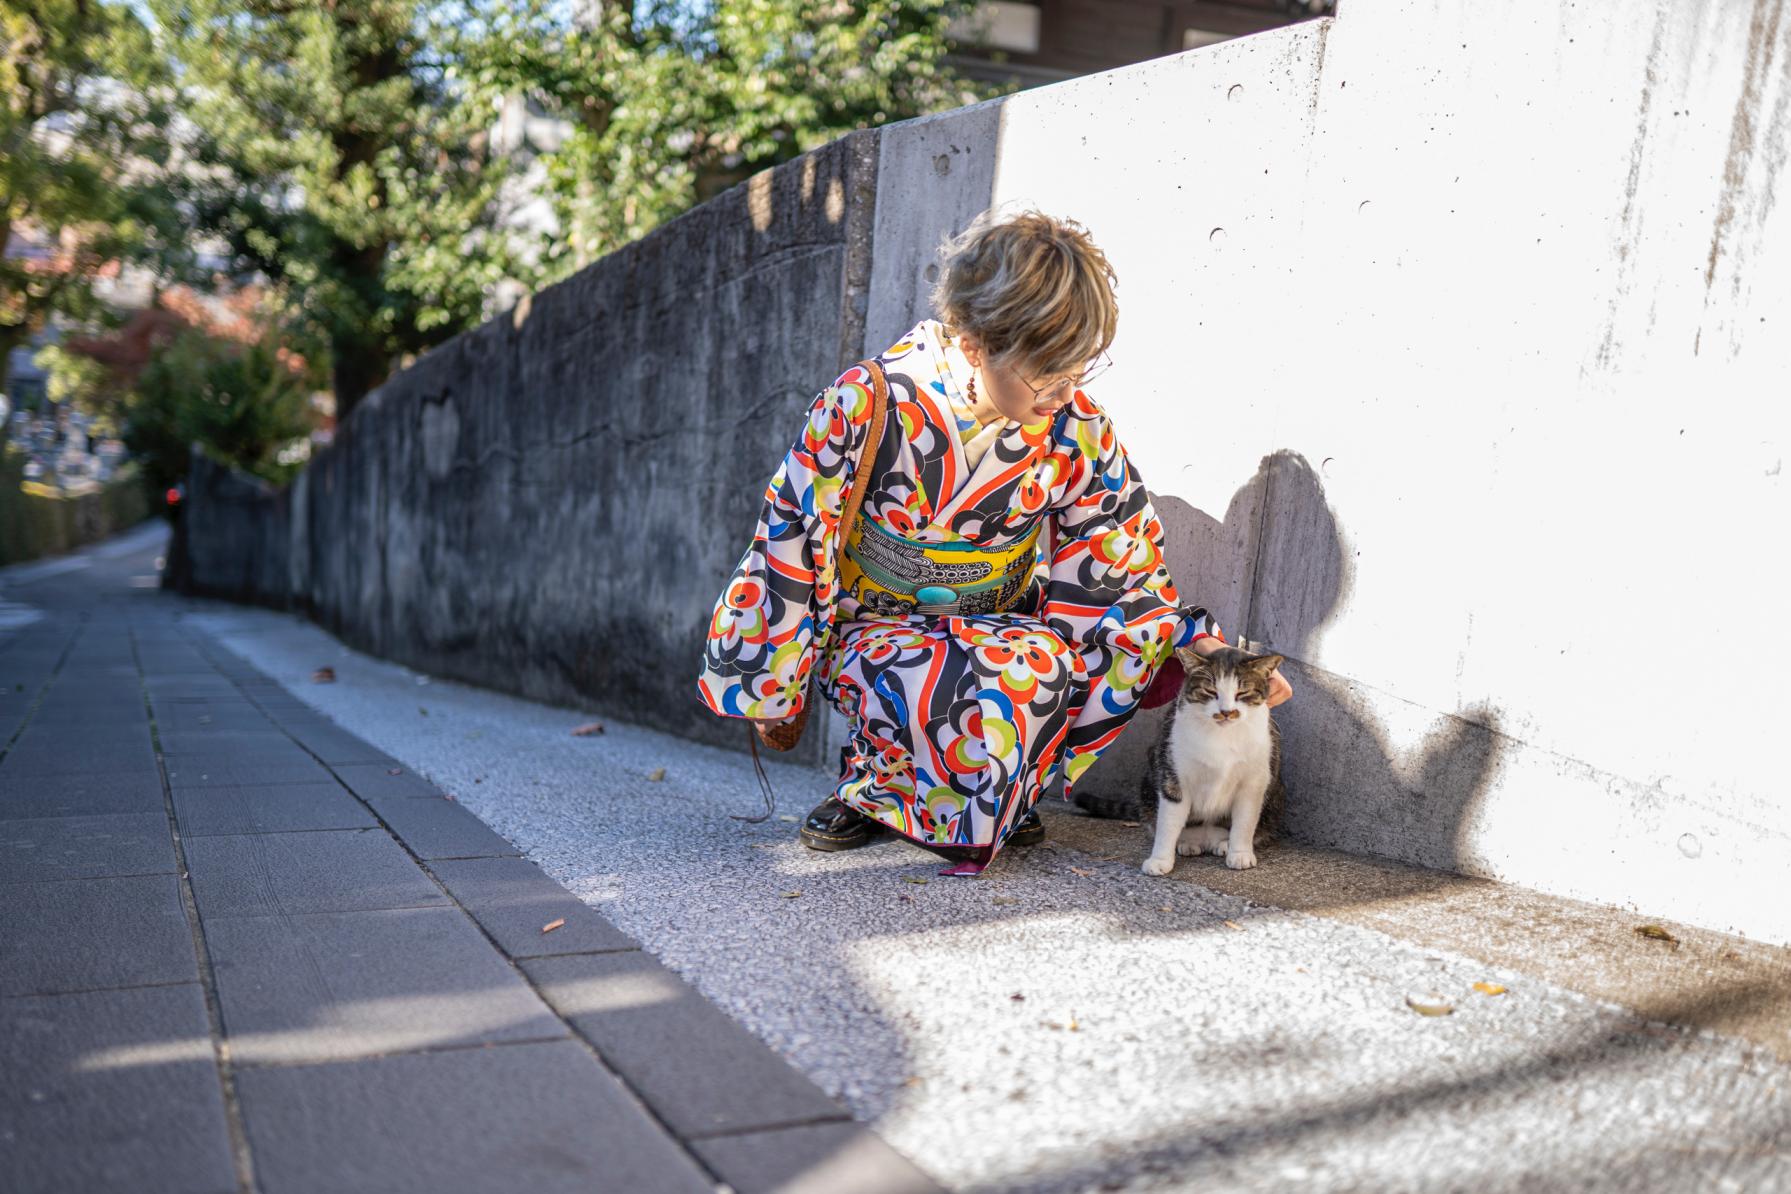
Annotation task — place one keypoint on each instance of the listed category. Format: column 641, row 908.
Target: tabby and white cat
column 1216, row 767
column 1214, row 772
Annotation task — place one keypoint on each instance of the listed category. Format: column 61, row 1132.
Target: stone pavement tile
column 35, row 796
column 699, row 1069
column 121, row 744
column 85, row 934
column 112, row 1090
column 288, row 765
column 201, row 718
column 268, row 874
column 269, row 808
column 545, row 1118
column 822, row 1158
column 371, row 780
column 210, row 740
column 440, row 828
column 333, row 744
column 32, row 850
column 40, row 754
column 64, row 697
column 334, row 985
column 511, row 899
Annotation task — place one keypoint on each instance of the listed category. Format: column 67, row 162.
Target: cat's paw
column 1240, row 860
column 1189, row 846
column 1158, row 866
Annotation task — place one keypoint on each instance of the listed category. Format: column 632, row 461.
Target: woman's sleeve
column 778, row 606
column 1108, row 593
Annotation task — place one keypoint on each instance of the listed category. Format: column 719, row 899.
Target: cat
column 1213, row 775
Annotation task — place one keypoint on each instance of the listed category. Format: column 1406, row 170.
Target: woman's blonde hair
column 1035, row 290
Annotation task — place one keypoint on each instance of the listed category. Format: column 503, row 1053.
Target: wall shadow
column 1276, row 569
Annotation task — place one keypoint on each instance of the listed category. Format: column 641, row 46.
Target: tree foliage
column 672, row 103
column 85, row 107
column 244, row 402
column 337, row 158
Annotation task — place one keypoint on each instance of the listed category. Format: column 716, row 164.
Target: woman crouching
column 995, row 613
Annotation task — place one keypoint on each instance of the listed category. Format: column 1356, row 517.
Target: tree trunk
column 356, row 365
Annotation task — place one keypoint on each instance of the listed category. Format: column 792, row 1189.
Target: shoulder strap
column 867, row 456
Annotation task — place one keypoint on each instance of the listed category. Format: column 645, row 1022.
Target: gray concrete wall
column 1452, row 350
column 550, row 503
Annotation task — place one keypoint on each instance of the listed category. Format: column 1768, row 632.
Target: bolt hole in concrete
column 932, row 273
column 1236, row 91
column 1690, row 846
column 1217, row 237
column 1362, row 207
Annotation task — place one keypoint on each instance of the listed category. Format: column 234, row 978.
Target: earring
column 970, row 390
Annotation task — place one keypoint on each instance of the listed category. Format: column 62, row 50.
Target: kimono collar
column 951, row 375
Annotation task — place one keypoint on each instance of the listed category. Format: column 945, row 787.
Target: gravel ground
column 1066, row 1023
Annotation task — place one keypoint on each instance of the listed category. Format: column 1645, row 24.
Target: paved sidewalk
column 241, row 949
column 1064, row 1024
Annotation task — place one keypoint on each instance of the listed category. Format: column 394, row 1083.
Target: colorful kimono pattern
column 959, row 722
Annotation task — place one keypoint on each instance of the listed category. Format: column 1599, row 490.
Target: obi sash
column 892, row 575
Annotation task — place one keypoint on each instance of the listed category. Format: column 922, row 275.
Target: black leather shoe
column 833, row 826
column 1028, row 830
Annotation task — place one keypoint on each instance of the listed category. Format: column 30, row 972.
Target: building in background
column 1047, row 41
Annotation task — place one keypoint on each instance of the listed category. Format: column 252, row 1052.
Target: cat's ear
column 1265, row 663
column 1192, row 660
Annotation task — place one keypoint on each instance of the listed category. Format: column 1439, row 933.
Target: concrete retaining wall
column 1453, row 349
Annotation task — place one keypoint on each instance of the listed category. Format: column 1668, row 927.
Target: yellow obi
column 892, row 575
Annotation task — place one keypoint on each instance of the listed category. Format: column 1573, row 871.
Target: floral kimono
column 960, row 721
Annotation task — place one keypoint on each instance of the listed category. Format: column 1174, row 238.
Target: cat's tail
column 1113, row 806
column 1102, row 804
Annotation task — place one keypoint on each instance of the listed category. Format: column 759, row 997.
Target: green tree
column 245, row 403
column 671, row 103
column 84, row 118
column 338, row 158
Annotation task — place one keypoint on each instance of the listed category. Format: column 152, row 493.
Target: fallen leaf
column 586, row 730
column 917, row 880
column 1430, row 1004
column 655, row 775
column 790, row 895
column 551, row 925
column 1489, row 988
column 1075, row 1024
column 1053, row 1025
column 1167, row 908
column 1656, row 933
column 1232, row 924
column 1085, row 872
column 1005, row 900
column 324, row 675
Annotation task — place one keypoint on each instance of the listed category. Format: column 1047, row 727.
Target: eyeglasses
column 1095, row 368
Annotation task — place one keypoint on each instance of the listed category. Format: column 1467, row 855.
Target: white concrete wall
column 1456, row 347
